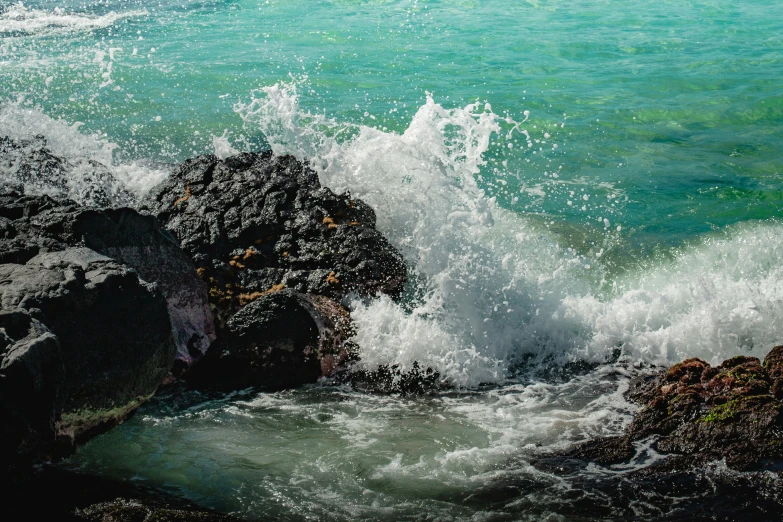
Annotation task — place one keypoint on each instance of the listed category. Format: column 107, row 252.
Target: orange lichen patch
column 331, row 225
column 328, row 221
column 331, row 279
column 275, row 288
column 185, row 197
column 249, row 298
column 201, row 271
column 285, row 254
column 354, row 223
column 241, row 260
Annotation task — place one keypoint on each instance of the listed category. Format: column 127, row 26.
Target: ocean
column 582, row 190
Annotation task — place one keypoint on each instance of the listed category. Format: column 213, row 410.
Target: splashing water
column 494, row 285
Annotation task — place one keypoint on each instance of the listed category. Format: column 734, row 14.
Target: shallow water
column 568, row 181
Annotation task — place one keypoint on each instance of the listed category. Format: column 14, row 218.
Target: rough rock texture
column 31, row 375
column 141, row 243
column 113, row 330
column 33, row 224
column 701, row 413
column 279, row 340
column 29, row 166
column 255, row 223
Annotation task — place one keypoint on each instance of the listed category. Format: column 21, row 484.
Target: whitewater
column 577, row 196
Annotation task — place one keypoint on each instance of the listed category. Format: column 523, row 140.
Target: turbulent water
column 580, row 189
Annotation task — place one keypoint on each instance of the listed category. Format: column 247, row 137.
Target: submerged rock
column 113, row 329
column 699, row 413
column 280, row 340
column 61, row 495
column 392, row 379
column 256, row 222
column 33, row 224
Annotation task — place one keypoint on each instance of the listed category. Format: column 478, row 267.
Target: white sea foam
column 494, row 284
column 19, row 19
column 715, row 300
column 222, row 146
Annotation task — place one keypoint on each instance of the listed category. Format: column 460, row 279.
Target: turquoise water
column 678, row 104
column 568, row 181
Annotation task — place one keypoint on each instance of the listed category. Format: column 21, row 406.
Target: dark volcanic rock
column 258, row 222
column 33, row 224
column 140, row 242
column 113, row 330
column 701, row 413
column 30, row 166
column 279, row 340
column 31, row 375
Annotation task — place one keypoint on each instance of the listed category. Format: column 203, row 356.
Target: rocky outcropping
column 279, row 340
column 257, row 223
column 699, row 413
column 109, row 329
column 33, row 224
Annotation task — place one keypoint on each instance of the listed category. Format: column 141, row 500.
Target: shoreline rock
column 56, row 494
column 29, row 166
column 698, row 413
column 99, row 306
column 112, row 330
column 30, row 225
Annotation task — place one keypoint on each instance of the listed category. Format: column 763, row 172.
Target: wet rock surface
column 697, row 413
column 578, row 492
column 386, row 379
column 282, row 339
column 31, row 377
column 113, row 329
column 33, row 224
column 256, row 223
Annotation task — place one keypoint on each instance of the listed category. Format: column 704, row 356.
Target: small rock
column 701, row 413
column 279, row 340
